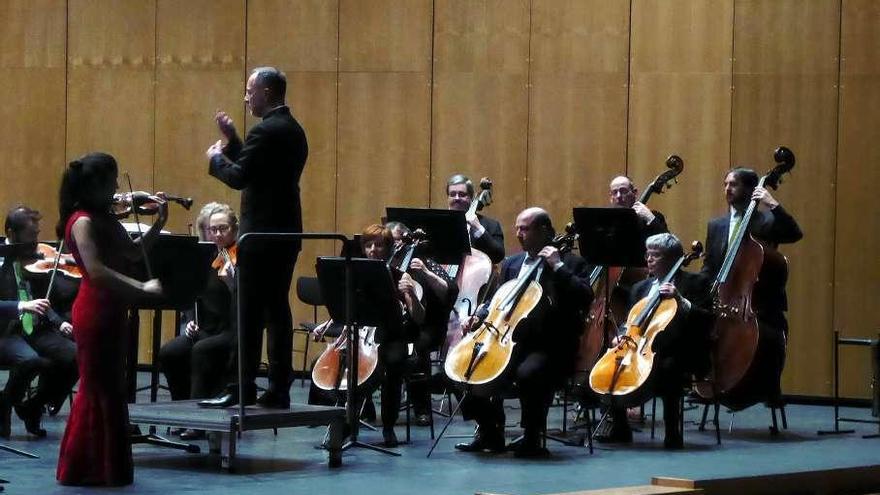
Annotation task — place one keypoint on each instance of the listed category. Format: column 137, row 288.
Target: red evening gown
column 96, row 449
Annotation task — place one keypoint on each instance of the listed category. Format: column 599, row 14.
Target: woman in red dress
column 96, row 449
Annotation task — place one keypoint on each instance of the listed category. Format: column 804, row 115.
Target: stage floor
column 289, row 463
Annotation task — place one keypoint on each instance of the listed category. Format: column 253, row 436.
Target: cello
column 472, row 277
column 601, row 322
column 483, row 354
column 733, row 378
column 625, row 370
column 330, row 371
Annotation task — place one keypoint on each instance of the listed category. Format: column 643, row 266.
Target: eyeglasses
column 219, row 229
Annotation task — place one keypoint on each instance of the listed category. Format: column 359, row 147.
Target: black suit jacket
column 492, row 240
column 557, row 323
column 266, row 168
column 773, row 227
column 63, row 294
column 686, row 338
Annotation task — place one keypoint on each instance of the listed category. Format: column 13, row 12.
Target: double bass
column 601, row 322
column 484, row 354
column 473, row 277
column 624, row 372
column 734, row 377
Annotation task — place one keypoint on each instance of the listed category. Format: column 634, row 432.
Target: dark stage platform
column 223, row 424
column 290, row 463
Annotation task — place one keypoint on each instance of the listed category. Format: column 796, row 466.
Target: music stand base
column 153, row 439
column 357, row 443
column 22, row 453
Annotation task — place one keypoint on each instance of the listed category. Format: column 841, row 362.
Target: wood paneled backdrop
column 550, row 98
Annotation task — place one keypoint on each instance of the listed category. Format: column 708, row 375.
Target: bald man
column 546, row 341
column 622, row 193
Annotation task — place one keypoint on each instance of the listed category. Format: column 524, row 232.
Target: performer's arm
column 102, row 275
column 236, row 171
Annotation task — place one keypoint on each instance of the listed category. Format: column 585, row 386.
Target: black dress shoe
column 274, row 400
column 389, row 437
column 228, row 399
column 673, row 442
column 616, row 435
column 490, row 440
column 31, row 414
column 530, row 450
column 5, row 417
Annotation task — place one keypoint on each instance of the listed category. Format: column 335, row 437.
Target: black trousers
column 669, row 381
column 265, row 284
column 536, row 375
column 44, row 352
column 196, row 368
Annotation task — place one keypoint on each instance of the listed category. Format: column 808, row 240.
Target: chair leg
column 702, row 426
column 784, row 419
column 306, row 371
column 717, row 423
column 653, row 415
column 774, row 430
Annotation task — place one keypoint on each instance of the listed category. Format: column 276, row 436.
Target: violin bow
column 54, row 268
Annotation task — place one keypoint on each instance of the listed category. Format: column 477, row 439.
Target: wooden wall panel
column 577, row 103
column 480, row 101
column 32, row 88
column 298, row 35
column 857, row 237
column 785, row 80
column 383, row 155
column 383, row 121
column 110, row 92
column 680, row 77
column 385, row 35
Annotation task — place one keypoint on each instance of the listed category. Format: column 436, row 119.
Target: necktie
column 27, row 319
column 737, row 220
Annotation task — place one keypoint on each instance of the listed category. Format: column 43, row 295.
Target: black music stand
column 373, row 302
column 609, row 237
column 448, row 239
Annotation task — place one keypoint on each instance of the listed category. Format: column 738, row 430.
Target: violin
column 603, row 315
column 624, row 371
column 472, row 277
column 45, row 262
column 735, row 354
column 227, row 259
column 484, row 354
column 124, row 205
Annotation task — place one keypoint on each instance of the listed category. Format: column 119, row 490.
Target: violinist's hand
column 668, row 290
column 765, row 200
column 35, row 306
column 214, row 150
column 643, row 212
column 319, row 331
column 550, row 255
column 407, row 286
column 191, row 329
column 418, row 266
column 66, row 329
column 468, row 325
column 153, row 287
column 225, row 125
column 162, row 201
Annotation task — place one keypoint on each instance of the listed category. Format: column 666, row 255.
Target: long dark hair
column 80, row 185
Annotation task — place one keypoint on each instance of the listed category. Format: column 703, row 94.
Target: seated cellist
column 546, row 343
column 682, row 348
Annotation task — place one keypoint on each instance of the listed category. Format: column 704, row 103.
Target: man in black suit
column 682, row 349
column 486, row 233
column 266, row 167
column 773, row 225
column 34, row 345
column 546, row 340
column 622, row 193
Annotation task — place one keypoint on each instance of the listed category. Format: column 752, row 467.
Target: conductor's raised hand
column 225, row 125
